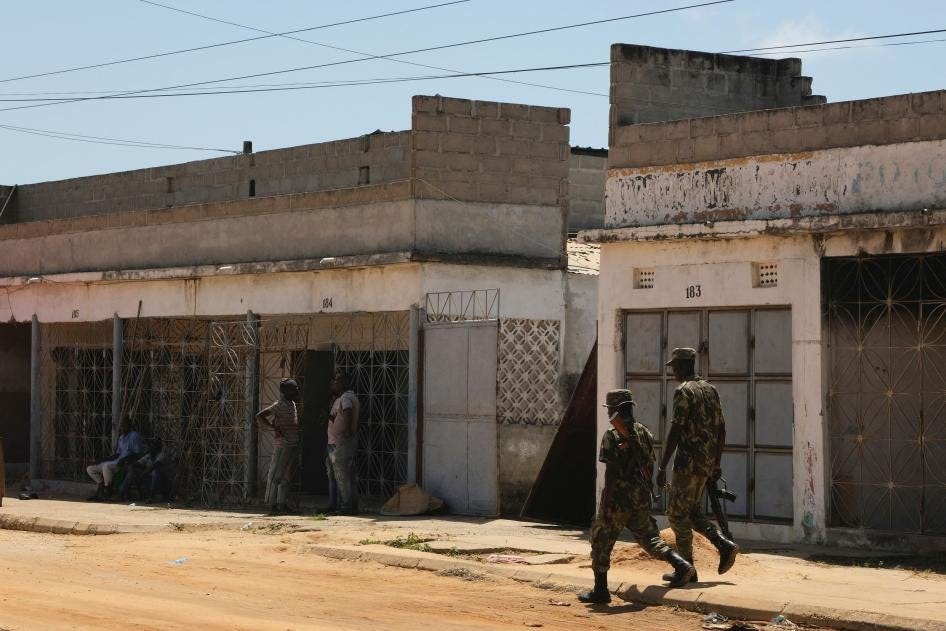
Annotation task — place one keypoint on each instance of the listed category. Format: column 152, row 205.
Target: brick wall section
column 483, row 151
column 879, row 121
column 587, row 172
column 659, row 84
column 306, row 168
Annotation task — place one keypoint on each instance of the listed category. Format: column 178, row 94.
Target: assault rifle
column 717, row 491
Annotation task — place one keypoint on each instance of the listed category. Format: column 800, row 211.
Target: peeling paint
column 909, row 176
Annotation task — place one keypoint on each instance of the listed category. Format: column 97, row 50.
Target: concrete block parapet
column 658, row 84
column 877, row 121
column 512, row 152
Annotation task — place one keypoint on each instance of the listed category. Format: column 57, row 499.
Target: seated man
column 154, row 471
column 128, row 450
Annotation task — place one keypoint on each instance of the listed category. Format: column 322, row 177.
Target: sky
column 46, row 35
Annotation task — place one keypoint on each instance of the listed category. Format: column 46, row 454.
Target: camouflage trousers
column 685, row 512
column 611, row 520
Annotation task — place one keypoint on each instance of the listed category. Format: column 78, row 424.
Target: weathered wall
column 490, row 152
column 373, row 158
column 579, row 330
column 587, row 172
column 522, row 450
column 893, row 178
column 659, row 84
column 15, row 391
column 724, row 270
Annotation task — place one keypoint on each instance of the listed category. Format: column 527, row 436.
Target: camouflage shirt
column 634, row 464
column 699, row 415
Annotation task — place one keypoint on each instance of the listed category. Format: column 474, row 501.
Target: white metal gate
column 460, row 430
column 746, row 354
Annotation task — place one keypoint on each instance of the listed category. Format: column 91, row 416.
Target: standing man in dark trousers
column 343, row 446
column 697, row 435
column 627, row 452
column 281, row 417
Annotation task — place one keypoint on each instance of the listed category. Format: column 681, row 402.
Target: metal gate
column 460, row 430
column 746, row 354
column 886, row 321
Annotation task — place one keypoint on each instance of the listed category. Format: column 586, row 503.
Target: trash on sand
column 782, row 622
column 559, row 603
column 532, row 624
column 715, row 618
column 180, row 561
column 411, row 499
column 505, row 558
column 246, row 526
column 132, row 505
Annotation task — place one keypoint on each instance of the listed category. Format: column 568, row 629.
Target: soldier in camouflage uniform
column 626, row 499
column 697, row 435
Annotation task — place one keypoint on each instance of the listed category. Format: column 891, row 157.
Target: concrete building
column 800, row 249
column 430, row 263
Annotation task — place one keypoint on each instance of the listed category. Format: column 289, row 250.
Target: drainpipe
column 35, row 402
column 252, row 406
column 413, row 366
column 117, row 350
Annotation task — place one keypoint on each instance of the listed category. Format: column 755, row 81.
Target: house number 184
column 694, row 291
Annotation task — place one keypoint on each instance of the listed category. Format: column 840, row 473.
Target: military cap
column 682, row 354
column 615, row 398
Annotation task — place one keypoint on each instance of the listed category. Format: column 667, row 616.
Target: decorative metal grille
column 373, row 349
column 528, row 372
column 76, row 395
column 887, row 395
column 462, row 306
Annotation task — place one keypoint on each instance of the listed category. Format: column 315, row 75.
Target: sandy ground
column 266, row 579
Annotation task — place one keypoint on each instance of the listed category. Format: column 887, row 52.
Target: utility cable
column 102, row 140
column 221, row 44
column 836, row 41
column 396, row 54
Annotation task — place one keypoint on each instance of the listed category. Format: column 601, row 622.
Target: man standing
column 697, row 435
column 282, row 419
column 627, row 452
column 342, row 446
column 128, row 450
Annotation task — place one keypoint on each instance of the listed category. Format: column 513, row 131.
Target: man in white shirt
column 342, row 447
column 129, row 449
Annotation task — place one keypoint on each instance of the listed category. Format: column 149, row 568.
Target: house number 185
column 694, row 291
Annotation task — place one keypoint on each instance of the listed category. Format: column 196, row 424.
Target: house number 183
column 694, row 291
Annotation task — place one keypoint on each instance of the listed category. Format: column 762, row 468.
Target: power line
column 833, row 48
column 102, row 140
column 329, row 84
column 397, row 54
column 837, row 41
column 221, row 44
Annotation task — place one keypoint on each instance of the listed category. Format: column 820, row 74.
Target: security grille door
column 746, row 354
column 460, row 430
column 886, row 319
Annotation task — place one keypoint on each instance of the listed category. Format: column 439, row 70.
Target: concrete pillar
column 252, row 406
column 413, row 392
column 117, row 351
column 36, row 414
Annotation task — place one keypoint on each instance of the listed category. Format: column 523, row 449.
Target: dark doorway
column 15, row 394
column 319, row 370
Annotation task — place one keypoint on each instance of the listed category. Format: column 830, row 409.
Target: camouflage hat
column 615, row 398
column 682, row 354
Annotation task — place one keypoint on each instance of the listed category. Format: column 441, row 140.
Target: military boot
column 728, row 551
column 683, row 571
column 600, row 594
column 668, row 577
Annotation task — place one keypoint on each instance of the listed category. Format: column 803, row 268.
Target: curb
column 66, row 527
column 692, row 600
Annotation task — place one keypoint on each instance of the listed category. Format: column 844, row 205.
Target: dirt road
column 265, row 579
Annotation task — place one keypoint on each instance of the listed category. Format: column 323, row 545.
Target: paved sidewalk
column 767, row 579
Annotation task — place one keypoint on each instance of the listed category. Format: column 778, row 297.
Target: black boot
column 683, row 571
column 97, row 496
column 728, row 551
column 669, row 576
column 600, row 594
